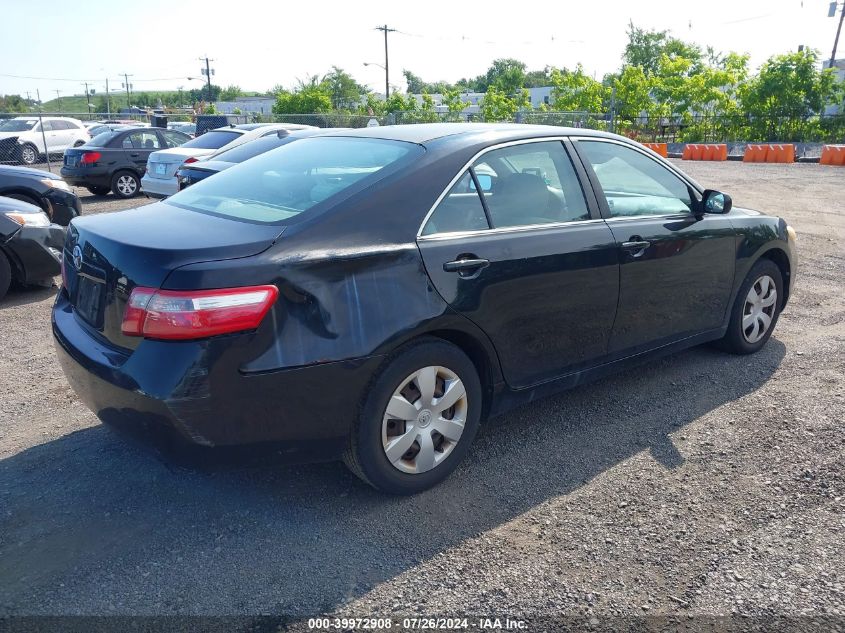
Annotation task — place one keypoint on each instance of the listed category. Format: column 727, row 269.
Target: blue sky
column 268, row 43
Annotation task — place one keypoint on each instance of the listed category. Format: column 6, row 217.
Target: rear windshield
column 102, row 139
column 279, row 185
column 215, row 139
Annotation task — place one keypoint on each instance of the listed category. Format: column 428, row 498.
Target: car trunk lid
column 106, row 256
column 164, row 163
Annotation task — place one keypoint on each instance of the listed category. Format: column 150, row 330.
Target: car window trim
column 596, row 185
column 594, row 215
column 522, row 228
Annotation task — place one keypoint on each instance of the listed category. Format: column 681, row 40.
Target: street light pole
column 838, row 30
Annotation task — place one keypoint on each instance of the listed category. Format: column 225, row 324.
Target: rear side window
column 141, row 140
column 215, row 139
column 279, row 185
column 459, row 210
column 102, row 139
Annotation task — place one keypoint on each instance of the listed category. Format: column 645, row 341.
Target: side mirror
column 716, row 202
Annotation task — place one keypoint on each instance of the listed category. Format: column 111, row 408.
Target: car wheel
column 5, row 275
column 418, row 419
column 125, row 184
column 29, row 154
column 756, row 309
column 99, row 191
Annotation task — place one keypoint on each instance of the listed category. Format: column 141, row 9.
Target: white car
column 24, row 137
column 160, row 181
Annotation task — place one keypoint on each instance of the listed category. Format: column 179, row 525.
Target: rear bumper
column 86, row 177
column 159, row 187
column 36, row 252
column 210, row 402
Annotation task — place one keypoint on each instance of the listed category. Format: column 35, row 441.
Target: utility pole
column 386, row 30
column 128, row 87
column 179, row 88
column 87, row 97
column 59, row 99
column 207, row 71
column 832, row 13
column 108, row 100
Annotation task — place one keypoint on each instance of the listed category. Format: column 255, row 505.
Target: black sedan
column 376, row 293
column 117, row 159
column 30, row 245
column 43, row 189
column 191, row 173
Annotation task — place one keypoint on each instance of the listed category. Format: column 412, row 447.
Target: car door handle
column 465, row 266
column 134, row 154
column 636, row 245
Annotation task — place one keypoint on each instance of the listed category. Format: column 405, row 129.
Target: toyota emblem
column 77, row 257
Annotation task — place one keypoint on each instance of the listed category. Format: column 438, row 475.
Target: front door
column 529, row 261
column 676, row 268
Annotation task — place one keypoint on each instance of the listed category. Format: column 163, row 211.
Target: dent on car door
column 530, row 261
column 676, row 265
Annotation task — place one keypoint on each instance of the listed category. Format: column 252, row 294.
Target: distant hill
column 77, row 104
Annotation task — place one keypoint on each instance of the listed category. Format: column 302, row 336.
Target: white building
column 246, row 105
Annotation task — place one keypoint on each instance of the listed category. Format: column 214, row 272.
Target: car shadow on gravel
column 23, row 295
column 93, row 522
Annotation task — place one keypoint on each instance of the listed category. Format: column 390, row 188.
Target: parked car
column 377, row 292
column 99, row 128
column 184, row 127
column 43, row 189
column 190, row 173
column 22, row 140
column 160, row 179
column 116, row 161
column 30, row 245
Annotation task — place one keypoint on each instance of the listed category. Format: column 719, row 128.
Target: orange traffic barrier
column 660, row 148
column 695, row 151
column 833, row 155
column 770, row 153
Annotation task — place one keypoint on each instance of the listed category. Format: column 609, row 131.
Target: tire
column 125, row 184
column 99, row 191
column 752, row 321
column 5, row 275
column 29, row 154
column 430, row 456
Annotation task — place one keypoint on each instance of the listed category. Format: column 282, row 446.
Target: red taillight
column 89, row 158
column 190, row 160
column 188, row 314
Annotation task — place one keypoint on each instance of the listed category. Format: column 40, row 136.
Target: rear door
column 138, row 145
column 676, row 268
column 530, row 261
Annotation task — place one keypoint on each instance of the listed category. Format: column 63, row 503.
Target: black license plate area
column 89, row 300
column 70, row 161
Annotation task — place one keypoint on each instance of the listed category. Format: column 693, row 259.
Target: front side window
column 459, row 210
column 531, row 183
column 282, row 183
column 174, row 138
column 635, row 184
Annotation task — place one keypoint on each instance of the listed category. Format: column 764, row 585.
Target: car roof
column 422, row 133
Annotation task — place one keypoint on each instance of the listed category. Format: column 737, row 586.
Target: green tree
column 343, row 90
column 498, row 105
column 573, row 90
column 791, row 85
column 230, row 93
column 455, row 104
column 538, row 78
column 416, row 85
column 307, row 99
column 507, row 75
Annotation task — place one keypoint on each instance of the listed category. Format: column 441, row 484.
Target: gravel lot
column 702, row 484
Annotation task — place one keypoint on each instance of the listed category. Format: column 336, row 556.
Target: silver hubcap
column 126, row 185
column 28, row 155
column 424, row 419
column 759, row 309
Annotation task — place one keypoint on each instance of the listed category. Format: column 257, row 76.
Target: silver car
column 160, row 181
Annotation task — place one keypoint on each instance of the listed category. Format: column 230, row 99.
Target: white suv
column 22, row 138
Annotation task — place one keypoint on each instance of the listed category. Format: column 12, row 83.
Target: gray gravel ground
column 701, row 484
